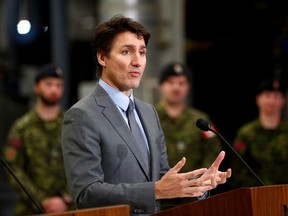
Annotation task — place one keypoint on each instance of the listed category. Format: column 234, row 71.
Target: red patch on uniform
column 239, row 146
column 10, row 154
column 16, row 142
column 208, row 134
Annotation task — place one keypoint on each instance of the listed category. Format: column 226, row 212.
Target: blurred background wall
column 229, row 45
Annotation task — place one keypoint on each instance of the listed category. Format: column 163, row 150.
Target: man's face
column 270, row 102
column 49, row 90
column 125, row 65
column 175, row 89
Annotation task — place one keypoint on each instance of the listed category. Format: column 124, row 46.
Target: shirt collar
column 120, row 99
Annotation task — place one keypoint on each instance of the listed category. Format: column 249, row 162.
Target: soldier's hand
column 54, row 204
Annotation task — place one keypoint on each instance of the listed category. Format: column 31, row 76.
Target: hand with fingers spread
column 191, row 184
column 174, row 184
column 219, row 177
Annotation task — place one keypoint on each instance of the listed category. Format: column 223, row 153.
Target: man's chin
column 176, row 101
column 51, row 102
column 135, row 85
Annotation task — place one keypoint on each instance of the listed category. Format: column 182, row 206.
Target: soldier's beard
column 48, row 101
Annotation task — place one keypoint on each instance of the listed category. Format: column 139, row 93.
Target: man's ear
column 101, row 58
column 36, row 87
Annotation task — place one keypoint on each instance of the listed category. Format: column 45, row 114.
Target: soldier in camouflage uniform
column 178, row 121
column 34, row 148
column 263, row 142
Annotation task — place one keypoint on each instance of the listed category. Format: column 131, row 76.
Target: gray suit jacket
column 103, row 164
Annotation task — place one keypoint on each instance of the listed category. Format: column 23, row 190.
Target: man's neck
column 174, row 110
column 47, row 113
column 270, row 122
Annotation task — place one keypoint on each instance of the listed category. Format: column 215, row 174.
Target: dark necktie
column 135, row 129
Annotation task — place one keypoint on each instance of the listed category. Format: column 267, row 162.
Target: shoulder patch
column 208, row 134
column 16, row 143
column 10, row 154
column 239, row 146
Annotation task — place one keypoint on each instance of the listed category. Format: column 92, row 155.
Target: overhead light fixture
column 24, row 25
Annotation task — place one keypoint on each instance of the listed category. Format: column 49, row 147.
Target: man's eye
column 125, row 52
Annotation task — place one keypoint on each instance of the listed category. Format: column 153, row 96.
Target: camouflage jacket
column 34, row 152
column 185, row 139
column 265, row 151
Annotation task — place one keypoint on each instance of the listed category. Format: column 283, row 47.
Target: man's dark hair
column 106, row 32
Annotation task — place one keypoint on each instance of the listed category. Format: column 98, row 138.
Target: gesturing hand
column 191, row 184
column 218, row 176
column 174, row 184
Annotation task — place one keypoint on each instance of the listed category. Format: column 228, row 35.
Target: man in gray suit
column 102, row 158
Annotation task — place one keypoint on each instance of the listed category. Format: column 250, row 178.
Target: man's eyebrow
column 133, row 46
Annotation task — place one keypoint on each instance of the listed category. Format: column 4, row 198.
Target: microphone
column 7, row 167
column 206, row 126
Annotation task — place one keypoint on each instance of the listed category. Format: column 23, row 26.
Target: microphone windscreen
column 203, row 125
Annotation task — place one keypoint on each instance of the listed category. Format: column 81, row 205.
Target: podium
column 116, row 210
column 257, row 201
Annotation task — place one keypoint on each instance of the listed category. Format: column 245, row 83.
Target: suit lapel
column 111, row 112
